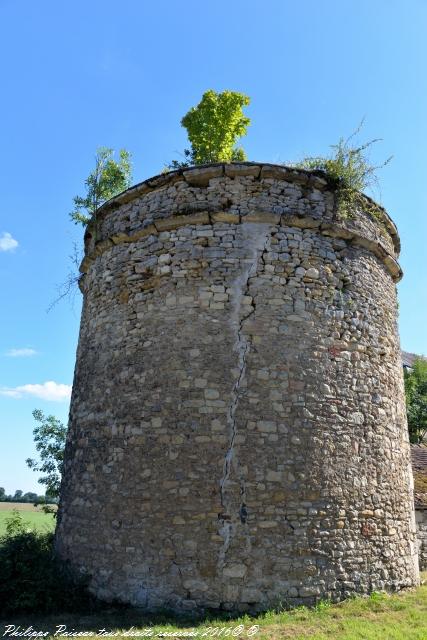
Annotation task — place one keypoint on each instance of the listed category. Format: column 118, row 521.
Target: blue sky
column 79, row 75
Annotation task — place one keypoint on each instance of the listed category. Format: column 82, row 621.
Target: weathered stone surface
column 237, row 427
column 421, row 520
column 166, row 224
column 235, row 169
column 223, row 216
column 419, row 467
column 201, row 177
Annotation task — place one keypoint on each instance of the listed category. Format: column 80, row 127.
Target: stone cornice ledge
column 330, row 229
column 200, row 176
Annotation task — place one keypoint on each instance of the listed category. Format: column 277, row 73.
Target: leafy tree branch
column 49, row 438
column 108, row 178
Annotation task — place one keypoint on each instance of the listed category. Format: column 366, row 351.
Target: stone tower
column 237, row 429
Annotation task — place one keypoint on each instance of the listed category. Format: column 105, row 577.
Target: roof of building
column 408, row 358
column 419, row 467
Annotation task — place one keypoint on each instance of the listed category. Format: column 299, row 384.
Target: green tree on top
column 213, row 128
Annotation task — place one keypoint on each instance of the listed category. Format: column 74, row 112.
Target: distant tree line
column 29, row 496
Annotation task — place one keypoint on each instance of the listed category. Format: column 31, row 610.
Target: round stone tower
column 237, row 429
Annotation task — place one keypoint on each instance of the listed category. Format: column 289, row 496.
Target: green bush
column 32, row 579
column 350, row 172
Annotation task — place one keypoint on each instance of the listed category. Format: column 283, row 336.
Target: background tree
column 30, row 496
column 108, row 178
column 416, row 400
column 213, row 128
column 49, row 438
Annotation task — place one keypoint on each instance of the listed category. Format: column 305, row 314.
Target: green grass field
column 32, row 515
column 379, row 617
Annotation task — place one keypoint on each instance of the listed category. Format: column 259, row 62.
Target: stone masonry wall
column 421, row 520
column 237, row 429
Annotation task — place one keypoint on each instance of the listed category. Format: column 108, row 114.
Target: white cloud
column 25, row 352
column 47, row 391
column 7, row 243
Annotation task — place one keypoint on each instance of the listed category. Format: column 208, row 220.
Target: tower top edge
column 200, row 176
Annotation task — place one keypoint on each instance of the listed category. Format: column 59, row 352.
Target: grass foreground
column 401, row 616
column 33, row 516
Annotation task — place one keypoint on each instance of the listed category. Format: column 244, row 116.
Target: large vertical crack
column 254, row 238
